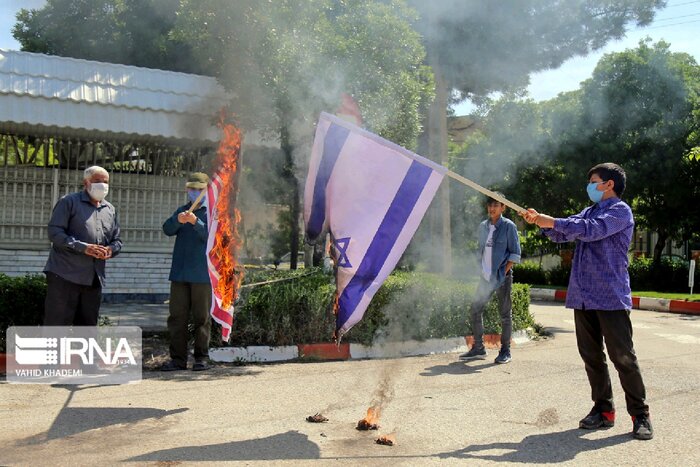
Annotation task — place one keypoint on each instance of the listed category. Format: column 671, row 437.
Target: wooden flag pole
column 487, row 192
column 197, row 201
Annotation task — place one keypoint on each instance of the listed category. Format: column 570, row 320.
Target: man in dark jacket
column 84, row 234
column 190, row 289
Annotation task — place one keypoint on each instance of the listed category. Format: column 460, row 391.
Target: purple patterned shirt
column 603, row 233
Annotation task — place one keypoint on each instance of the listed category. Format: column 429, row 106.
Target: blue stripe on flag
column 332, row 144
column 383, row 242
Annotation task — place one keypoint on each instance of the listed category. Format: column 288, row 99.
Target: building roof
column 59, row 96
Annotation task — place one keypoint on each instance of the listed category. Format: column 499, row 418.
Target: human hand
column 98, row 251
column 530, row 216
column 190, row 217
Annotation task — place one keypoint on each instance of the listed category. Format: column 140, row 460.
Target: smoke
column 384, row 393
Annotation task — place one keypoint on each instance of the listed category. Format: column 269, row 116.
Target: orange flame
column 227, row 241
column 372, row 415
column 370, row 422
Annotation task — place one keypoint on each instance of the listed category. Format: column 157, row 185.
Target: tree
column 483, row 47
column 640, row 110
column 282, row 61
column 640, row 104
column 476, row 47
column 130, row 32
column 286, row 61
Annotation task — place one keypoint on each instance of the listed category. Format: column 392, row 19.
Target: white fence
column 143, row 202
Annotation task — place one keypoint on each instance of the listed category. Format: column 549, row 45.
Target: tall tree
column 130, row 32
column 287, row 60
column 478, row 47
column 640, row 105
column 282, row 61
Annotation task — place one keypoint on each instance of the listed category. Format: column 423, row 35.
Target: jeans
column 505, row 305
column 615, row 328
column 186, row 298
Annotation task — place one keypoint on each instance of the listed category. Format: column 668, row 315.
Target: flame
column 333, row 254
column 372, row 415
column 370, row 421
column 227, row 241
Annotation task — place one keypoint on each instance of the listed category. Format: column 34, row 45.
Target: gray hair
column 90, row 171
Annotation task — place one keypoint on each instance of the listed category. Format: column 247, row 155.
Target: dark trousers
column 505, row 306
column 71, row 304
column 189, row 298
column 593, row 327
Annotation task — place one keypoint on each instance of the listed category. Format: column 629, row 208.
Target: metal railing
column 146, row 185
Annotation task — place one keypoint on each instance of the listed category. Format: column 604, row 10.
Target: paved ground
column 149, row 316
column 441, row 410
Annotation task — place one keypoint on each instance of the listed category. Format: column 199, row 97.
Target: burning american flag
column 224, row 242
column 370, row 194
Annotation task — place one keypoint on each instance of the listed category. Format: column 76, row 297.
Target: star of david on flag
column 341, row 252
column 371, row 195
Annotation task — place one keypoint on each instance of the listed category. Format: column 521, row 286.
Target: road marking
column 642, row 326
column 681, row 338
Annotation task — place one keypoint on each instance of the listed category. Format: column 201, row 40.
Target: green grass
column 643, row 293
column 670, row 295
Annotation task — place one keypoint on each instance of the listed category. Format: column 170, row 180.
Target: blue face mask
column 593, row 193
column 193, row 194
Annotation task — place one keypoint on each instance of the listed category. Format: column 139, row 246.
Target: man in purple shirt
column 599, row 292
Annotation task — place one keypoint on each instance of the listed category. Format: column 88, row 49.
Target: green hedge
column 671, row 275
column 21, row 302
column 529, row 273
column 409, row 305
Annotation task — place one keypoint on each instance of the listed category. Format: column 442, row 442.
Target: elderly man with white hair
column 84, row 234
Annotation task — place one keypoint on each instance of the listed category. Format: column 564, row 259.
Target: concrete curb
column 638, row 303
column 350, row 351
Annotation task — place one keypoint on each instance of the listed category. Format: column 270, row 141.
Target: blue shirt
column 75, row 223
column 506, row 246
column 190, row 251
column 603, row 233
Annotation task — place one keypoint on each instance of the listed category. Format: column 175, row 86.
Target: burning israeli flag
column 371, row 195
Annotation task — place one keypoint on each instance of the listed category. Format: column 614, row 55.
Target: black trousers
column 593, row 327
column 189, row 298
column 71, row 304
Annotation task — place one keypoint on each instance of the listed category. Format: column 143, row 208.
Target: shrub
column 21, row 302
column 529, row 273
column 409, row 305
column 670, row 275
column 284, row 313
column 559, row 276
column 640, row 273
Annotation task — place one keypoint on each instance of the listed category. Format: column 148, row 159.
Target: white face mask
column 98, row 191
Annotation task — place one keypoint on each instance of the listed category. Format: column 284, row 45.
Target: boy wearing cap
column 190, row 289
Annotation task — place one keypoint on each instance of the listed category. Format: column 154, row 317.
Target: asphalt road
column 441, row 411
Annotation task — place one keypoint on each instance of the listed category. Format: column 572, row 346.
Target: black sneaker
column 200, row 365
column 503, row 356
column 475, row 353
column 597, row 419
column 641, row 427
column 172, row 366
